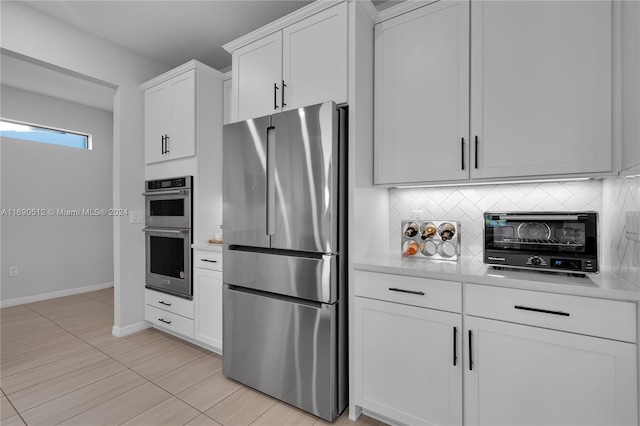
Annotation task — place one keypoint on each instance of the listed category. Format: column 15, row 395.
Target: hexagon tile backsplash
column 467, row 204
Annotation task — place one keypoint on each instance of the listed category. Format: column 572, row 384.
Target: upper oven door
column 168, row 208
column 564, row 233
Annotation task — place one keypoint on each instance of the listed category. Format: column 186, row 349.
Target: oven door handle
column 167, row 192
column 542, row 217
column 166, row 231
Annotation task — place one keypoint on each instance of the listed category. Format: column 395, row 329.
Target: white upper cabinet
column 300, row 64
column 314, row 59
column 256, row 80
column 170, row 119
column 422, row 95
column 539, row 103
column 541, row 87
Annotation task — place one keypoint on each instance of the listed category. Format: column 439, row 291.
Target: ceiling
column 171, row 32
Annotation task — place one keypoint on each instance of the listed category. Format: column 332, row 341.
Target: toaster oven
column 545, row 241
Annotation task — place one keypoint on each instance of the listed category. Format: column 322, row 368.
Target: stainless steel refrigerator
column 284, row 295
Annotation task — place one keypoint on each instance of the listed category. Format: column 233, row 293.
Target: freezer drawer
column 309, row 276
column 285, row 349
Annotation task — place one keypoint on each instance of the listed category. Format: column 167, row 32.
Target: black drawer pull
column 162, row 302
column 419, row 293
column 470, row 351
column 164, row 321
column 455, row 345
column 544, row 311
column 209, row 260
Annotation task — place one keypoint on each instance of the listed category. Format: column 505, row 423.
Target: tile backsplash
column 620, row 197
column 466, row 204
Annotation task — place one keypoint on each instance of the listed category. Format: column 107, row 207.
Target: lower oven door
column 168, row 261
column 283, row 347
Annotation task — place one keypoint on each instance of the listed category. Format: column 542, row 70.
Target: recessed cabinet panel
column 315, row 59
column 422, row 95
column 541, row 87
column 257, row 78
column 529, row 375
column 182, row 141
column 157, row 116
column 208, row 298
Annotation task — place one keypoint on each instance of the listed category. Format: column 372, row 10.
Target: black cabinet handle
column 476, row 151
column 166, row 141
column 162, row 144
column 209, row 260
column 543, row 311
column 401, row 290
column 455, row 345
column 162, row 302
column 282, row 94
column 462, row 152
column 470, row 351
column 275, row 96
column 164, row 321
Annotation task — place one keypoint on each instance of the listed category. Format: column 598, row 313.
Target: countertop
column 607, row 284
column 216, row 248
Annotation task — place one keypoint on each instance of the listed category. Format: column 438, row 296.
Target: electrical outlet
column 417, row 214
column 13, row 271
column 632, row 226
column 136, row 217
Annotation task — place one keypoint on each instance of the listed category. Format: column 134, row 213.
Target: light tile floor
column 60, row 364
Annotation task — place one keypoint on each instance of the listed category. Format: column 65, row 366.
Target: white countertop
column 217, row 248
column 607, row 284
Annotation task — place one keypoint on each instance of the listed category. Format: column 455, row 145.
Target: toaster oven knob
column 536, row 261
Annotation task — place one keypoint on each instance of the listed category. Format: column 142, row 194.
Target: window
column 30, row 132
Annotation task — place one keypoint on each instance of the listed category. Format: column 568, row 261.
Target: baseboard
column 130, row 329
column 54, row 295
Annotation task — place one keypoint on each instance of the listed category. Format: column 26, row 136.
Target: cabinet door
column 541, row 87
column 529, row 375
column 157, row 114
column 257, row 78
column 208, row 300
column 315, row 59
column 182, row 139
column 406, row 367
column 422, row 95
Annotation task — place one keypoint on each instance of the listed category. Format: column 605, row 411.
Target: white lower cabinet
column 408, row 358
column 517, row 374
column 207, row 295
column 409, row 362
column 525, row 357
column 548, row 359
column 169, row 312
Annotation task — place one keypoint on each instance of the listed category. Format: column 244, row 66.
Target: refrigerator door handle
column 271, row 176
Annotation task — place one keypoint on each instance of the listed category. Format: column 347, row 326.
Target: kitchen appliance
column 168, row 235
column 430, row 239
column 284, row 294
column 545, row 241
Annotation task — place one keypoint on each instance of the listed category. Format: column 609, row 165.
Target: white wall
column 30, row 33
column 55, row 254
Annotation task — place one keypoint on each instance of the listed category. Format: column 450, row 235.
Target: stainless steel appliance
column 168, row 235
column 546, row 241
column 284, row 289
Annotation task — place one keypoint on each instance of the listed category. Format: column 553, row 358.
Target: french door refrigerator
column 284, row 294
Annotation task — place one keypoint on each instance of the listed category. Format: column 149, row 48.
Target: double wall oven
column 168, row 206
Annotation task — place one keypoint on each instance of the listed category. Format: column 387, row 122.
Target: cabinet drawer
column 169, row 321
column 207, row 260
column 423, row 292
column 169, row 303
column 610, row 319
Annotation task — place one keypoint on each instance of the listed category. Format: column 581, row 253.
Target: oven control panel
column 160, row 184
